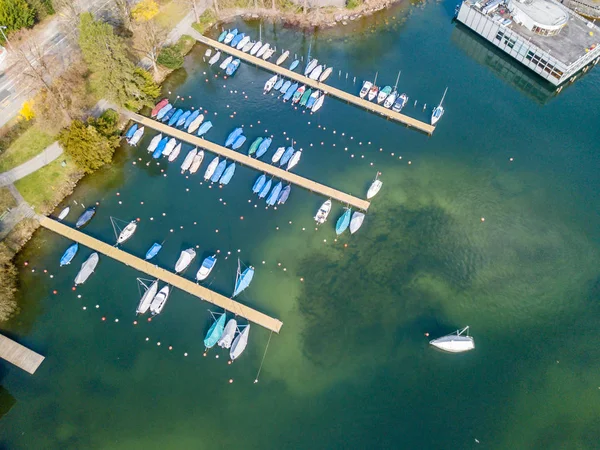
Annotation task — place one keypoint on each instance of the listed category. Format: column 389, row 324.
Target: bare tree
column 305, row 6
column 216, row 6
column 152, row 35
column 194, row 5
column 67, row 9
column 273, row 5
column 123, row 10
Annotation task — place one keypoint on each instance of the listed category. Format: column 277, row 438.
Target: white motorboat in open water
column 127, row 232
column 456, row 342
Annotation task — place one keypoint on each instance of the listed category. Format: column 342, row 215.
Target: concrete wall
column 586, row 8
column 322, row 3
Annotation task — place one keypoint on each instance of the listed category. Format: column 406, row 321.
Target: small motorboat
column 239, row 344
column 248, row 47
column 227, row 175
column 375, row 187
column 294, row 64
column 204, row 128
column 305, row 97
column 163, row 111
column 159, row 301
column 215, row 332
column 267, row 55
column 456, row 342
column 131, row 131
column 294, row 160
column 185, row 258
column 372, row 93
column 259, row 183
column 160, row 147
column 175, row 153
column 343, row 222
column 278, row 154
column 298, row 94
column 85, row 217
column 189, row 119
column 243, row 42
column 356, row 221
column 175, row 117
column 87, row 268
column 282, row 58
column 69, row 254
column 169, row 147
column 219, row 171
column 256, row 48
column 154, row 142
column 366, row 87
column 263, row 147
column 168, row 115
column 136, row 136
column 210, row 170
column 286, row 156
column 285, row 193
column 232, row 67
column 229, row 36
column 269, row 84
column 237, row 39
column 233, row 136
column 160, row 105
column 279, row 84
column 195, row 123
column 312, row 99
column 153, row 251
column 389, row 101
column 290, row 92
column 64, row 213
column 228, row 334
column 323, row 212
column 316, row 73
column 318, row 103
column 243, row 280
column 283, row 89
column 226, row 62
column 274, row 195
column 197, row 162
column 325, row 74
column 214, row 58
column 383, row 94
column 262, row 50
column 239, row 142
column 127, row 232
column 438, row 112
column 222, row 36
column 207, row 266
column 187, row 162
column 265, row 189
column 183, row 118
column 400, row 103
column 311, row 66
column 255, row 145
column 147, row 298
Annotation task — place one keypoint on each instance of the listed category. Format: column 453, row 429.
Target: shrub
column 351, row 4
column 170, row 57
column 15, row 14
column 145, row 10
column 27, row 112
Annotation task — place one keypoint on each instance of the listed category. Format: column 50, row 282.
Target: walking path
column 37, row 162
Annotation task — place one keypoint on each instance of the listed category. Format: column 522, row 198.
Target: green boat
column 254, row 146
column 215, row 332
column 305, row 97
column 298, row 94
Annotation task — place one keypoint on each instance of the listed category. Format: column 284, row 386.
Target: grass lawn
column 171, row 14
column 25, row 147
column 6, row 200
column 49, row 185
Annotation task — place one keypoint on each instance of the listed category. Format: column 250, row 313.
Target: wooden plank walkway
column 251, row 162
column 168, row 277
column 329, row 90
column 20, row 356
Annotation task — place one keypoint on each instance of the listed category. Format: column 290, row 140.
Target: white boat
column 64, row 213
column 248, row 47
column 175, row 153
column 262, row 50
column 214, row 58
column 256, row 48
column 311, row 66
column 208, row 52
column 228, row 334
column 158, row 302
column 278, row 154
column 87, row 268
column 366, row 87
column 318, row 103
column 147, row 298
column 283, row 57
column 438, row 111
column 226, row 62
column 268, row 54
column 323, row 212
column 187, row 162
column 316, row 73
column 375, row 187
column 197, row 162
column 206, row 268
column 169, row 147
column 229, row 37
column 270, row 83
column 356, row 221
column 211, row 168
column 186, row 257
column 243, row 42
column 136, row 136
column 325, row 74
column 374, row 89
column 239, row 343
column 154, row 142
column 127, row 232
column 456, row 342
column 294, row 159
column 195, row 123
column 389, row 101
column 383, row 94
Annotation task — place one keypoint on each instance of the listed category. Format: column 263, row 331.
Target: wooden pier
column 20, row 356
column 168, row 277
column 329, row 90
column 290, row 177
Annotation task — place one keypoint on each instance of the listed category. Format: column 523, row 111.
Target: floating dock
column 20, row 356
column 290, row 177
column 168, row 277
column 328, row 90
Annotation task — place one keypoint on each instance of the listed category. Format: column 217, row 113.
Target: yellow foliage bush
column 27, row 112
column 145, row 10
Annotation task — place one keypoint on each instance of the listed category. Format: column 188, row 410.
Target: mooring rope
column 263, row 358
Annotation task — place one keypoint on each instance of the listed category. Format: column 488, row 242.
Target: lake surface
column 492, row 222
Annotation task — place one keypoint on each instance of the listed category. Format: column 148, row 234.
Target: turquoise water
column 351, row 367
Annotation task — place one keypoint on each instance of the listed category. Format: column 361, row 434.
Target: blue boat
column 204, row 128
column 153, row 251
column 228, row 174
column 290, row 92
column 218, row 171
column 343, row 222
column 175, row 117
column 259, row 183
column 232, row 67
column 285, row 87
column 233, row 136
column 131, row 131
column 222, row 36
column 285, row 193
column 239, row 142
column 265, row 189
column 168, row 115
column 183, row 118
column 274, row 195
column 294, row 64
column 215, row 332
column 206, row 268
column 191, row 118
column 311, row 101
column 278, row 84
column 164, row 110
column 286, row 156
column 236, row 40
column 263, row 147
column 85, row 217
column 243, row 281
column 160, row 147
column 69, row 254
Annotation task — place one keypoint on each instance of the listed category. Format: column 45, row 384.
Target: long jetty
column 251, row 162
column 175, row 280
column 20, row 356
column 327, row 89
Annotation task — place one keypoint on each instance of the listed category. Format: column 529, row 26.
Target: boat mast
column 442, row 100
column 375, row 80
column 397, row 79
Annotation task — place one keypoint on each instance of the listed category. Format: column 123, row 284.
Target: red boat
column 158, row 107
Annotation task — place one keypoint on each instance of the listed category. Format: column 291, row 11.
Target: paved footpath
column 37, row 162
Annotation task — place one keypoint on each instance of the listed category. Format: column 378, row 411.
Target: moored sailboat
column 127, row 232
column 189, row 158
column 283, row 57
column 85, row 217
column 206, row 268
column 239, row 343
column 356, row 221
column 148, row 296
column 215, row 332
column 375, row 187
column 228, row 334
column 210, row 170
column 243, row 279
column 343, row 222
column 87, row 268
column 438, row 111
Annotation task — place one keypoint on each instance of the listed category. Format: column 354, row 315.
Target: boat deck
column 329, row 90
column 233, row 155
column 20, row 356
column 171, row 278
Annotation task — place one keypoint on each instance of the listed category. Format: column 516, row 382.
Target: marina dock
column 168, row 277
column 20, row 356
column 328, row 90
column 290, row 177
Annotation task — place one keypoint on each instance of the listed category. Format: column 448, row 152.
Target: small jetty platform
column 328, row 90
column 20, row 356
column 245, row 160
column 171, row 278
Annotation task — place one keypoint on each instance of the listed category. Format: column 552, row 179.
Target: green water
column 351, row 367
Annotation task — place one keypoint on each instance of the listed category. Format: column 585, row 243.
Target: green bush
column 15, row 14
column 351, row 4
column 207, row 18
column 42, row 8
column 170, row 57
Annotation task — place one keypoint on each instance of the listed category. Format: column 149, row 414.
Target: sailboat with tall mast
column 374, row 89
column 242, row 279
column 389, row 101
column 438, row 111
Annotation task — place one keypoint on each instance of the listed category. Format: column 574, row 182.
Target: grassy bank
column 26, row 146
column 6, row 200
